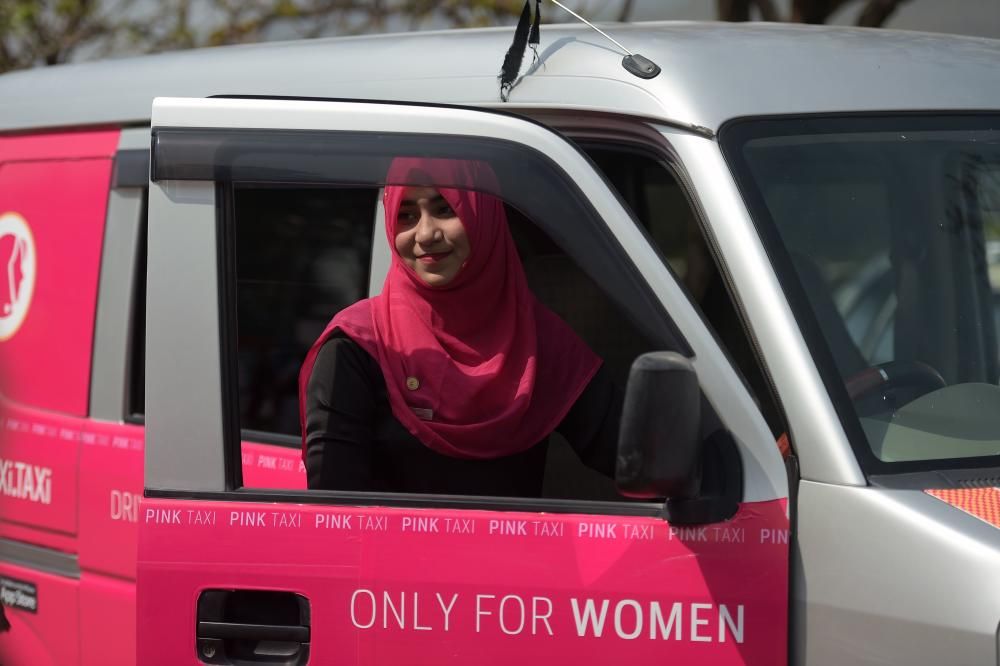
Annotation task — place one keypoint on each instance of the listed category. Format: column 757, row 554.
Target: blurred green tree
column 48, row 32
column 35, row 32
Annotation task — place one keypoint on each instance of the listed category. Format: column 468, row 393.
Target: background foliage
column 48, row 32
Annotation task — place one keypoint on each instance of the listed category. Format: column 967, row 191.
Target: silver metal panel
column 136, row 138
column 381, row 253
column 711, row 72
column 820, row 443
column 113, row 325
column 39, row 559
column 892, row 577
column 765, row 477
column 183, row 370
column 109, row 376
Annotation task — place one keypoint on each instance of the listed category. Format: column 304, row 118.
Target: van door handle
column 246, row 627
column 260, row 632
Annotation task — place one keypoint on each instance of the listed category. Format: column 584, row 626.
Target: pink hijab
column 497, row 371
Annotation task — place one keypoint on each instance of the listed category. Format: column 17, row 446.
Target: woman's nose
column 427, row 230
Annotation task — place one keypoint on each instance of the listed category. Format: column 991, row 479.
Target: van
column 801, row 217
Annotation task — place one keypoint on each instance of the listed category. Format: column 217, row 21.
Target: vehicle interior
column 892, row 238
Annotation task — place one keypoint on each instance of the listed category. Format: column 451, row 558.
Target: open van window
column 303, row 255
column 886, row 229
column 282, row 230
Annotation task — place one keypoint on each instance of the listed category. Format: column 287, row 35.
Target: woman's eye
column 444, row 211
column 406, row 217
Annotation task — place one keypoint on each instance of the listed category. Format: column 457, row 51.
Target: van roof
column 711, row 72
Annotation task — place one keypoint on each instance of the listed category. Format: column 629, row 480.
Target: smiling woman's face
column 430, row 238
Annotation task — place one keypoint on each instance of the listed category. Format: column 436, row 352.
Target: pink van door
column 71, row 442
column 53, row 198
column 231, row 571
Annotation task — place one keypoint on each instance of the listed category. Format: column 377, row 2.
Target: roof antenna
column 634, row 63
column 526, row 34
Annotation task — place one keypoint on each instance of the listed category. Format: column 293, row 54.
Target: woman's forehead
column 416, row 193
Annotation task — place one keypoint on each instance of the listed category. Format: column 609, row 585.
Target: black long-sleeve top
column 353, row 441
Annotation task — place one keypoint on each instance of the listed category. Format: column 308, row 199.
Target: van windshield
column 885, row 232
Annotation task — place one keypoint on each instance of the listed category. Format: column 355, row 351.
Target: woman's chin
column 436, row 280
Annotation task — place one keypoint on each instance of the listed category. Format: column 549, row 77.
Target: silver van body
column 882, row 572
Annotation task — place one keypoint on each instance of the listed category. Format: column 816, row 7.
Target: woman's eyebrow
column 412, row 202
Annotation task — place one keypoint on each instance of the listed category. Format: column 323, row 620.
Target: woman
column 450, row 380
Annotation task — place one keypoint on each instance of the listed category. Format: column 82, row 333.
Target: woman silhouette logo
column 17, row 273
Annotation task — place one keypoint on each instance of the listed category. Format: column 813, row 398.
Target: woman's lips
column 432, row 257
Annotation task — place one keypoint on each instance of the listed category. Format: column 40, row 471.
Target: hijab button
column 412, row 383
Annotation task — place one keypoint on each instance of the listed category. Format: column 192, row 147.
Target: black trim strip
column 271, row 438
column 253, row 632
column 228, row 341
column 39, row 559
column 414, row 501
column 131, row 169
column 135, row 371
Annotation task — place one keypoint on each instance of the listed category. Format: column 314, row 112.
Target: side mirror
column 659, row 442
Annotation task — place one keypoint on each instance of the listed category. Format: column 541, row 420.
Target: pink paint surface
column 400, row 578
column 111, row 463
column 94, row 613
column 270, row 466
column 58, row 185
column 111, row 457
column 48, row 636
column 59, row 145
column 107, row 621
column 44, row 447
column 392, row 557
column 95, row 475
